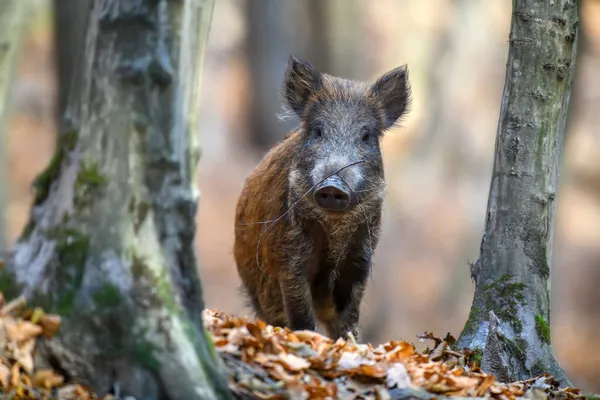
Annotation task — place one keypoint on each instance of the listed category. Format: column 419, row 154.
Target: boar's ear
column 300, row 81
column 393, row 92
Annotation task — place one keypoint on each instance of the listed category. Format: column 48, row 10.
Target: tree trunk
column 70, row 24
column 275, row 31
column 110, row 241
column 510, row 315
column 12, row 21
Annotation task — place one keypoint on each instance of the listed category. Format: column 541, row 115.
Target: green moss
column 521, row 347
column 503, row 297
column 89, row 175
column 477, row 356
column 143, row 353
column 517, row 349
column 108, row 295
column 69, row 139
column 165, row 291
column 543, row 328
column 163, row 295
column 89, row 180
column 139, row 211
column 28, row 229
column 543, row 267
column 539, row 368
column 72, row 249
column 8, row 285
column 43, row 181
column 473, row 321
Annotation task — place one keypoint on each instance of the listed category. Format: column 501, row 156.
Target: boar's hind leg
column 348, row 294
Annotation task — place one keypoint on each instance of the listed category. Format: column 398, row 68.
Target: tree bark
column 110, row 241
column 12, row 21
column 510, row 315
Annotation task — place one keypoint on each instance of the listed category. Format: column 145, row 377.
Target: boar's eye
column 317, row 132
column 366, row 135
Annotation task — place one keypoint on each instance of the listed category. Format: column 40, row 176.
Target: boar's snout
column 332, row 194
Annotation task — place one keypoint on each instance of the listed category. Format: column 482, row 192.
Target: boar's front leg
column 348, row 293
column 295, row 288
column 297, row 301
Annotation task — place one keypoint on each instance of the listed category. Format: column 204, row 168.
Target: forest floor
column 274, row 363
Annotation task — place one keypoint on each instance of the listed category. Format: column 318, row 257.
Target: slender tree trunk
column 510, row 315
column 274, row 32
column 12, row 21
column 110, row 242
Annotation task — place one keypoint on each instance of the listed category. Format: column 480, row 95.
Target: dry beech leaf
column 15, row 375
column 22, row 330
column 293, row 362
column 309, row 336
column 279, row 372
column 350, row 361
column 23, row 355
column 47, row 378
column 50, row 324
column 4, row 376
column 397, row 376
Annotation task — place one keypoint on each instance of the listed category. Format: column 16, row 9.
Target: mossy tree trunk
column 510, row 315
column 12, row 21
column 110, row 241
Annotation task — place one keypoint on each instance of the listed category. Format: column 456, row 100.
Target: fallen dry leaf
column 293, row 362
column 22, row 331
column 397, row 376
column 4, row 376
column 50, row 324
column 47, row 378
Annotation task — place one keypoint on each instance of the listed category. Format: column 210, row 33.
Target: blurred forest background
column 438, row 164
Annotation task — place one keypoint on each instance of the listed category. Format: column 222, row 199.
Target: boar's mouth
column 333, row 194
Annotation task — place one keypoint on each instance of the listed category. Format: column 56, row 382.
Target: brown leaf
column 23, row 355
column 439, row 351
column 50, row 324
column 292, row 362
column 15, row 374
column 429, row 336
column 22, row 330
column 280, row 373
column 488, row 381
column 4, row 376
column 47, row 379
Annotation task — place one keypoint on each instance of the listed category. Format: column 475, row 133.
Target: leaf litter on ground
column 277, row 363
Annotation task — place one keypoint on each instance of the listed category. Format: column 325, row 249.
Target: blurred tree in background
column 12, row 25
